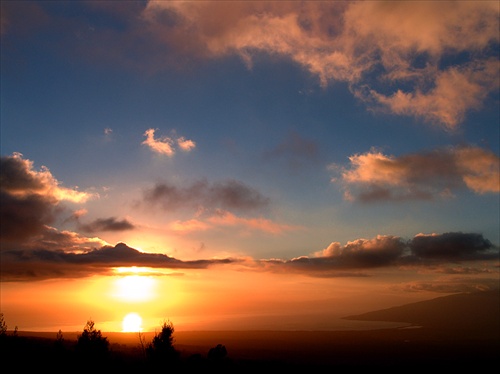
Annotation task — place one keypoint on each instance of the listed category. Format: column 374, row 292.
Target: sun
column 132, row 322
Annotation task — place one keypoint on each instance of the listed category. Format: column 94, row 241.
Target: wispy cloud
column 223, row 219
column 374, row 176
column 167, row 145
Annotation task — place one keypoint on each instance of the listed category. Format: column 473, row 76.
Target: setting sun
column 132, row 322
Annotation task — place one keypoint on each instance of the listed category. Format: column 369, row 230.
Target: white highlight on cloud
column 166, row 145
column 41, row 182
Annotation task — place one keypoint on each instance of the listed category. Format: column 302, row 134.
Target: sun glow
column 135, row 288
column 132, row 322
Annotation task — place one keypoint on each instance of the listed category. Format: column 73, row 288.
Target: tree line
column 92, row 350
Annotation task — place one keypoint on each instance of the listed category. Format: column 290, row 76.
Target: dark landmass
column 452, row 332
column 477, row 314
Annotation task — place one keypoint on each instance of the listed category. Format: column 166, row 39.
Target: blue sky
column 275, row 129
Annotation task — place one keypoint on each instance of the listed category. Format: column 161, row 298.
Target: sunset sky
column 245, row 165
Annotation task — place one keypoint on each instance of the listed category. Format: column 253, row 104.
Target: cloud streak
column 374, row 176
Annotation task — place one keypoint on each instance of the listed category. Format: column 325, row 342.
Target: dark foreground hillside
column 447, row 346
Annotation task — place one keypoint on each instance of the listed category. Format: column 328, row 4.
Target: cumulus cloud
column 357, row 256
column 374, row 176
column 30, row 200
column 227, row 195
column 166, row 145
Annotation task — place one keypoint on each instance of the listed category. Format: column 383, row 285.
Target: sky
column 245, row 165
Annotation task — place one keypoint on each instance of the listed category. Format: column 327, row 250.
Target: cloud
column 434, row 60
column 227, row 195
column 370, row 45
column 385, row 251
column 352, row 259
column 106, row 224
column 39, row 264
column 373, row 176
column 223, row 219
column 450, row 246
column 295, row 150
column 30, row 200
column 166, row 145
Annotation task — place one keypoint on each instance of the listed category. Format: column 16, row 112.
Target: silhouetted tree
column 91, row 344
column 3, row 326
column 161, row 348
column 217, row 353
column 59, row 342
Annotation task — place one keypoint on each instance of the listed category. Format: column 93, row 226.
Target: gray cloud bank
column 336, row 260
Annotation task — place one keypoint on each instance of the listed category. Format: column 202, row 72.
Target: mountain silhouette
column 476, row 313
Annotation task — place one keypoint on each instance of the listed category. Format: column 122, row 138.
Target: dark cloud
column 61, row 254
column 387, row 251
column 295, row 150
column 29, row 202
column 228, row 195
column 107, row 224
column 37, row 264
column 451, row 246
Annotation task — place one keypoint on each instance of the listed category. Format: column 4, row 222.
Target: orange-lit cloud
column 224, row 219
column 375, row 176
column 30, row 202
column 361, row 43
column 166, row 145
column 403, row 57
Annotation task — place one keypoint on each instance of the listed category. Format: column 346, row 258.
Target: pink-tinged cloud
column 224, row 219
column 163, row 145
column 362, row 43
column 374, row 176
column 456, row 91
column 403, row 57
column 185, row 144
column 228, row 219
column 166, row 145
